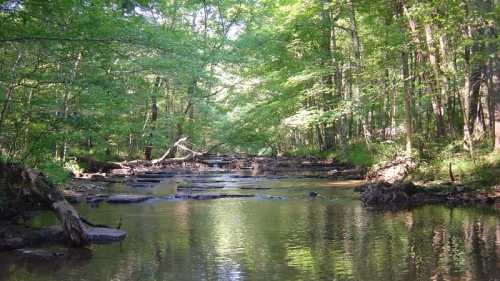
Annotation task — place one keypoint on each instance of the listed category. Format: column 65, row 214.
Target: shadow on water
column 331, row 237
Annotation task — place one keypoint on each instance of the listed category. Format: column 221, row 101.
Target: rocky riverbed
column 195, row 178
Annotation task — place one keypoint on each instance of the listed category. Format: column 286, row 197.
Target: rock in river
column 103, row 235
column 128, row 198
column 40, row 253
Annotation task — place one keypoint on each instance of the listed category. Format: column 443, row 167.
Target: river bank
column 402, row 195
column 390, row 186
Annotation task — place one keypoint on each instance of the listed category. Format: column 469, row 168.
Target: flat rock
column 199, row 186
column 154, row 176
column 254, row 188
column 159, row 174
column 103, row 235
column 140, row 184
column 208, row 196
column 97, row 198
column 242, row 176
column 271, row 197
column 205, row 181
column 149, row 180
column 127, row 198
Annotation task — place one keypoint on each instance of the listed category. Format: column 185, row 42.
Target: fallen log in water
column 25, row 189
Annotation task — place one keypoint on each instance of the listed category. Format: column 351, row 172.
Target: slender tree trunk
column 332, row 81
column 66, row 106
column 495, row 86
column 434, row 83
column 407, row 101
column 357, row 69
column 27, row 121
column 148, row 151
column 465, row 98
column 493, row 79
column 446, row 70
column 406, row 78
column 10, row 90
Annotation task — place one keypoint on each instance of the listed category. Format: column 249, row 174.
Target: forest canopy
column 125, row 79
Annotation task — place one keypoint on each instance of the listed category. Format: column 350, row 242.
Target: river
column 296, row 237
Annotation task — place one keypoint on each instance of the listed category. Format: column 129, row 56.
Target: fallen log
column 25, row 189
column 170, row 152
column 391, row 171
column 167, row 157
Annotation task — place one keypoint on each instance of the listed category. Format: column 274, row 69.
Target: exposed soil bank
column 386, row 188
column 407, row 194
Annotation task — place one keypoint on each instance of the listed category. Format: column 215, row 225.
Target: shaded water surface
column 331, row 237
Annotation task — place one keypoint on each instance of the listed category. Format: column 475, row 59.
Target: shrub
column 54, row 171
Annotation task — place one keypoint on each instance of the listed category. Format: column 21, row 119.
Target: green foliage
column 54, row 171
column 481, row 172
column 358, row 154
column 292, row 77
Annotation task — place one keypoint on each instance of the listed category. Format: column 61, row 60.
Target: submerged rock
column 97, row 198
column 271, row 197
column 313, row 194
column 127, row 198
column 208, row 196
column 40, row 253
column 14, row 238
column 59, row 256
column 199, row 186
column 254, row 188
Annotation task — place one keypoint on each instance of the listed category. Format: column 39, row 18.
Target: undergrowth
column 480, row 170
column 56, row 172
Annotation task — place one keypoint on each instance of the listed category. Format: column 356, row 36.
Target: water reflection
column 295, row 239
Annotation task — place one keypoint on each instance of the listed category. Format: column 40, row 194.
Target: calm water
column 327, row 238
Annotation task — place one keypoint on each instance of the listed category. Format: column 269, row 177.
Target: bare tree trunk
column 436, row 94
column 24, row 186
column 447, row 67
column 10, row 90
column 407, row 102
column 494, row 94
column 66, row 106
column 357, row 69
column 148, row 151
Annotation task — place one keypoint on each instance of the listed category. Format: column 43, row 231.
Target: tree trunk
column 27, row 188
column 447, row 70
column 9, row 91
column 66, row 106
column 434, row 80
column 407, row 101
column 148, row 151
column 494, row 93
column 357, row 69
